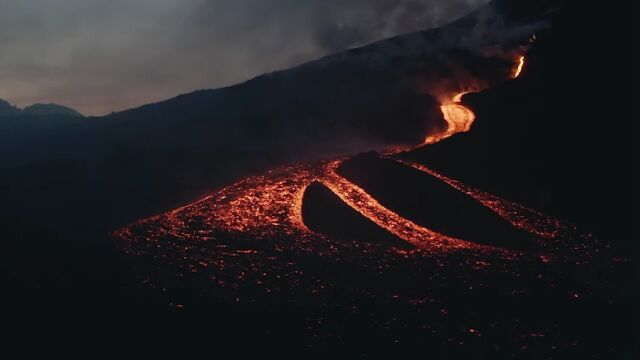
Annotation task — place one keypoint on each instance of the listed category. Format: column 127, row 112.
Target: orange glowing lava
column 269, row 207
column 459, row 118
column 369, row 207
column 519, row 216
column 518, row 69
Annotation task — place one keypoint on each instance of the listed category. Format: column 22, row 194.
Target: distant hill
column 50, row 109
column 8, row 109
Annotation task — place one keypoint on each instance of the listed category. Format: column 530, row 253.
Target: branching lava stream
column 458, row 117
column 254, row 227
column 269, row 206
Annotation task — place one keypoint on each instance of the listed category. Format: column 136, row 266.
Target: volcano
column 394, row 231
column 415, row 195
column 152, row 157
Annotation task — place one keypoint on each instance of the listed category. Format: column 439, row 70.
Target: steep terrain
column 509, row 238
column 156, row 157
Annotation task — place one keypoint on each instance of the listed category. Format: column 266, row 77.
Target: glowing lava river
column 269, row 207
column 250, row 243
column 235, row 228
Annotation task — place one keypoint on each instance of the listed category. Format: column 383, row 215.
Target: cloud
column 100, row 56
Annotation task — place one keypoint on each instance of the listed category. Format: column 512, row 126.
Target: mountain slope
column 549, row 138
column 7, row 110
column 145, row 160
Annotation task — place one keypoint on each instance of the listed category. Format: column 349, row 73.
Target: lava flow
column 458, row 117
column 518, row 69
column 370, row 208
column 233, row 231
column 269, row 208
column 519, row 216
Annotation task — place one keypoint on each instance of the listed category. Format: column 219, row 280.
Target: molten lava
column 459, row 118
column 358, row 199
column 255, row 227
column 519, row 216
column 269, row 208
column 518, row 69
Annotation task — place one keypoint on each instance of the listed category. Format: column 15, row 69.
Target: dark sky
column 98, row 56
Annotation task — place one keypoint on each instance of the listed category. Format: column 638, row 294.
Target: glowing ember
column 518, row 69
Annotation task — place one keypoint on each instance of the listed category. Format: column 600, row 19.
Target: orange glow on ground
column 267, row 207
column 358, row 199
column 519, row 216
